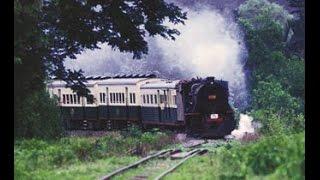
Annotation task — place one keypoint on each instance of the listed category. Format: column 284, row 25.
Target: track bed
column 159, row 164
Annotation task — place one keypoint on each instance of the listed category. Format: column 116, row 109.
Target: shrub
column 38, row 116
column 276, row 109
column 278, row 156
column 133, row 131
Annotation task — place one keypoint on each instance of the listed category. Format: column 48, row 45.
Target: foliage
column 48, row 32
column 276, row 78
column 289, row 72
column 257, row 11
column 273, row 157
column 276, row 109
column 38, row 116
column 273, row 96
column 282, row 155
column 34, row 155
column 264, row 24
column 133, row 131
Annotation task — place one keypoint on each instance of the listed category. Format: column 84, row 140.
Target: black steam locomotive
column 198, row 106
column 208, row 112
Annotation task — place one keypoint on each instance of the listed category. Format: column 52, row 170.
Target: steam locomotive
column 197, row 106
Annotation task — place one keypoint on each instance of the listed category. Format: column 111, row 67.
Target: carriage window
column 102, row 97
column 147, row 99
column 144, row 99
column 75, row 99
column 117, row 97
column 155, row 99
column 151, row 98
column 122, row 95
column 78, row 99
column 67, row 98
column 130, row 97
column 71, row 99
column 64, row 99
column 90, row 99
column 134, row 97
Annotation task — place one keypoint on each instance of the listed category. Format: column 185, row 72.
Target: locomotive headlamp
column 214, row 116
column 212, row 97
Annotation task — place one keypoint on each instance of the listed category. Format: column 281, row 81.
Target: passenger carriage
column 116, row 102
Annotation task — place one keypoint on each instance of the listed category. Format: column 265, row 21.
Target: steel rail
column 118, row 171
column 192, row 153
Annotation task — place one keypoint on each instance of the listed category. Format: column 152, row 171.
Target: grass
column 274, row 157
column 83, row 157
column 80, row 170
column 150, row 169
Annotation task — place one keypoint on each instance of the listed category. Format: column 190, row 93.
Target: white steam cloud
column 209, row 45
column 245, row 126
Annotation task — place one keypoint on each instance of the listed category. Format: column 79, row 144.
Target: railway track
column 158, row 165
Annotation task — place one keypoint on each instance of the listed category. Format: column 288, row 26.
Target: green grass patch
column 83, row 157
column 274, row 157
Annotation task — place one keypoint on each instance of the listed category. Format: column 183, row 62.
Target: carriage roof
column 163, row 84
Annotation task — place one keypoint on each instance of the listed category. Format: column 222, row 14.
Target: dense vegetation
column 272, row 157
column 276, row 74
column 41, row 117
column 37, row 159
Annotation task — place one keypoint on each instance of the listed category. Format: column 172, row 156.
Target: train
column 197, row 106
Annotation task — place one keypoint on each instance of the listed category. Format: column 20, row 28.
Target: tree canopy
column 47, row 32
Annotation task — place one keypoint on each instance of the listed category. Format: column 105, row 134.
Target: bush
column 38, row 116
column 133, row 131
column 276, row 109
column 255, row 10
column 275, row 156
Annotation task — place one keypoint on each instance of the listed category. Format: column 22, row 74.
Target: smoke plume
column 209, row 45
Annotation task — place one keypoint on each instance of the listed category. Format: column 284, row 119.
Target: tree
column 276, row 77
column 47, row 32
column 264, row 24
